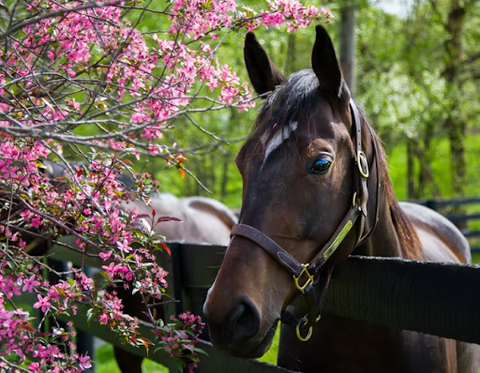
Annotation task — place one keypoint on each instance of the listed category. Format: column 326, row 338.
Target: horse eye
column 320, row 166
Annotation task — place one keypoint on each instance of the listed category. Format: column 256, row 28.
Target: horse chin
column 260, row 349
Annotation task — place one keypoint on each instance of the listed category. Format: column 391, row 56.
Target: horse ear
column 263, row 74
column 325, row 63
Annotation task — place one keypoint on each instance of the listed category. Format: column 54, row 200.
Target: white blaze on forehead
column 278, row 139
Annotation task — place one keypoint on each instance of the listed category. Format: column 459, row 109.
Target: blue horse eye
column 320, row 166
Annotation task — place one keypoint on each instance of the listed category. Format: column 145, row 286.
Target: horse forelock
column 296, row 99
column 278, row 117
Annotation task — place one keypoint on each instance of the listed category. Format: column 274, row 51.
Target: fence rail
column 435, row 298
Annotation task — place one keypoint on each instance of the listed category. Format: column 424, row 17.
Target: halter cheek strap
column 312, row 279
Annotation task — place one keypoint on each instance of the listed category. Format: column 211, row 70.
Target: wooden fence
column 434, row 298
column 455, row 211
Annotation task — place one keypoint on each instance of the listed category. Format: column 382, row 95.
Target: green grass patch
column 105, row 362
column 272, row 354
column 476, row 258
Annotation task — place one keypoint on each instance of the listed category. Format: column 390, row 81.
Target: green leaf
column 180, row 365
column 200, row 351
column 105, row 275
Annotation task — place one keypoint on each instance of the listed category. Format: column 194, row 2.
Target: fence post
column 86, row 341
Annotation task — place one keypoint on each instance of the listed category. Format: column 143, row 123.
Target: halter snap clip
column 309, row 278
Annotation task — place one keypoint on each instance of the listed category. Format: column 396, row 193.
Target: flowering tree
column 78, row 78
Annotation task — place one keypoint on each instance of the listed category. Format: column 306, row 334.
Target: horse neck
column 387, row 236
column 385, row 240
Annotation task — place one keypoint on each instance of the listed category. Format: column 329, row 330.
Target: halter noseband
column 316, row 279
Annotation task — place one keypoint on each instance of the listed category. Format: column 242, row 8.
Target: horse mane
column 407, row 234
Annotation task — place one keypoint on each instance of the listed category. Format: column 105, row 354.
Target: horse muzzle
column 239, row 331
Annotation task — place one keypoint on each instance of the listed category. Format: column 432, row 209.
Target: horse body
column 203, row 220
column 299, row 169
column 441, row 240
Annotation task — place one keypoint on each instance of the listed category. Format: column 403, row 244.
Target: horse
column 203, row 220
column 315, row 190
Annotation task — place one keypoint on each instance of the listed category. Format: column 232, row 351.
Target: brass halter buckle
column 309, row 278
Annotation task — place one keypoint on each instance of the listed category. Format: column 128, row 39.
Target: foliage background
column 400, row 83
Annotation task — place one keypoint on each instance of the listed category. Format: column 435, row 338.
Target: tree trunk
column 223, row 188
column 454, row 123
column 411, row 192
column 227, row 157
column 290, row 60
column 425, row 176
column 348, row 43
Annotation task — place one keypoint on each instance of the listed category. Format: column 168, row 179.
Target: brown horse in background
column 203, row 220
column 315, row 189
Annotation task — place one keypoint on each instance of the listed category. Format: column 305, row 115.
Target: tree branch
column 55, row 13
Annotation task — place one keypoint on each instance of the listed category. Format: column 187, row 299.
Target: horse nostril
column 245, row 320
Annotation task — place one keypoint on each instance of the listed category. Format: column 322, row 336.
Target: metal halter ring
column 309, row 278
column 304, row 322
column 299, row 334
column 363, row 164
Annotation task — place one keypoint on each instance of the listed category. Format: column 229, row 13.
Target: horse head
column 304, row 173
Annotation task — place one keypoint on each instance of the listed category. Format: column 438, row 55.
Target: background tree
column 348, row 43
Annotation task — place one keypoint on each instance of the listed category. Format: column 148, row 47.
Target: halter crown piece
column 312, row 279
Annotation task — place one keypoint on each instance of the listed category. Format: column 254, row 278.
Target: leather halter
column 316, row 274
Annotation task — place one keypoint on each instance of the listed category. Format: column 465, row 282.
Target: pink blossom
column 9, row 287
column 30, row 283
column 34, row 367
column 112, row 269
column 84, row 362
column 103, row 319
column 36, row 222
column 42, row 303
column 105, row 255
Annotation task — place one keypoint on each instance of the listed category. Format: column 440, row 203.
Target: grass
column 106, row 363
column 476, row 258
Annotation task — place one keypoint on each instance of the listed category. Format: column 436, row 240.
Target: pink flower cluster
column 292, row 13
column 18, row 338
column 88, row 82
column 185, row 327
